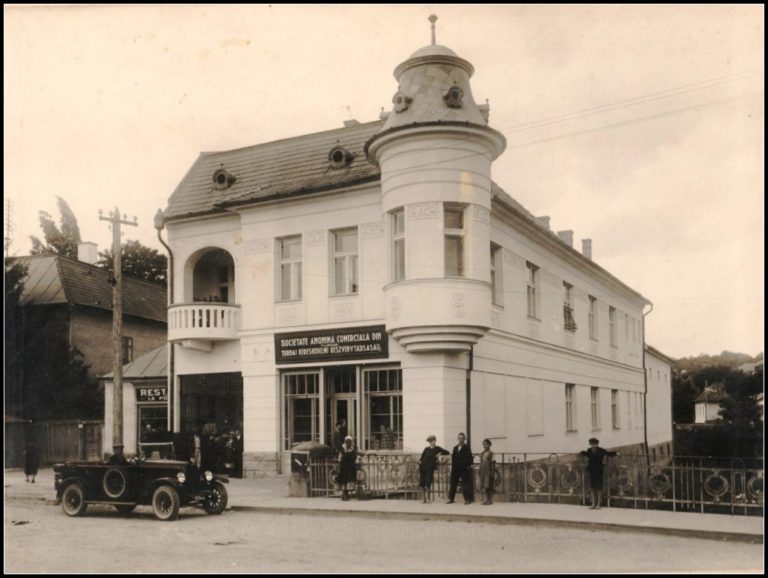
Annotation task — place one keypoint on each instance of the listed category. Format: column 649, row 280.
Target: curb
column 503, row 520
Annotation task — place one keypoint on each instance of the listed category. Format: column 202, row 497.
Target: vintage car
column 164, row 484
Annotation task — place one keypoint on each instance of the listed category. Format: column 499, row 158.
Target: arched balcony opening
column 213, row 277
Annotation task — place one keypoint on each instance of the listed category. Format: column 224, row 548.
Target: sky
column 640, row 127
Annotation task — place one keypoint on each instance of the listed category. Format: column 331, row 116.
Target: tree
column 684, row 392
column 138, row 261
column 741, row 404
column 15, row 273
column 61, row 240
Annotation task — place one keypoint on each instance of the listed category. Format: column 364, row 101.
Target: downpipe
column 159, row 225
column 645, row 395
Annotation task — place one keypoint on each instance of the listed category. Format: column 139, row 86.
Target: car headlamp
column 181, row 477
column 208, row 476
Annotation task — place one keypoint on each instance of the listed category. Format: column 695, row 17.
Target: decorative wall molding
column 257, row 246
column 423, row 211
column 550, row 278
column 287, row 314
column 395, row 308
column 372, row 230
column 459, row 304
column 496, row 319
column 480, row 214
column 343, row 311
column 513, row 259
column 313, row 238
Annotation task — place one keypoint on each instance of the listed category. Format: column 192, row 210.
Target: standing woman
column 31, row 460
column 428, row 465
column 486, row 472
column 348, row 466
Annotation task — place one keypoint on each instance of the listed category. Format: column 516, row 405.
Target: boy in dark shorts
column 428, row 465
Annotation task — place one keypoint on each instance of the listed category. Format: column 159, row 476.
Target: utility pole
column 117, row 325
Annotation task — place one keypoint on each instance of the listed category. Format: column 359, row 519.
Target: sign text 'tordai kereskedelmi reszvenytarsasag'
column 332, row 345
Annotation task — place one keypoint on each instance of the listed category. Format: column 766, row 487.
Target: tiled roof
column 712, row 394
column 153, row 364
column 283, row 167
column 55, row 279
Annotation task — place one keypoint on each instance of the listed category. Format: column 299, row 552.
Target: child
column 486, row 472
column 595, row 455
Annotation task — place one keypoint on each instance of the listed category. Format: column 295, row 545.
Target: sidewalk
column 270, row 495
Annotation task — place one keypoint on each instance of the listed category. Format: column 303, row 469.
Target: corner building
column 376, row 276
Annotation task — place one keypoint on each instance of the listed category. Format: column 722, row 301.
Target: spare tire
column 114, row 483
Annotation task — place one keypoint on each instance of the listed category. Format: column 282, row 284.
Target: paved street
column 40, row 538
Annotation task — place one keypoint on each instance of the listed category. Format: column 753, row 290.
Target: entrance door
column 341, row 406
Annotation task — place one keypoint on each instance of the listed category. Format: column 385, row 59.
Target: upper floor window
column 497, row 291
column 569, row 323
column 626, row 326
column 612, row 325
column 289, row 250
column 345, row 262
column 592, row 318
column 398, row 245
column 127, row 349
column 453, row 216
column 532, row 290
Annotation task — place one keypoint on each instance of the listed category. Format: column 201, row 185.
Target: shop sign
column 151, row 394
column 332, row 345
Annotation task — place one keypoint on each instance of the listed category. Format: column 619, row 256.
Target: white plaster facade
column 522, row 356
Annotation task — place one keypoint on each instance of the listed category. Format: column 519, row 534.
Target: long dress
column 486, row 470
column 347, row 466
column 31, row 460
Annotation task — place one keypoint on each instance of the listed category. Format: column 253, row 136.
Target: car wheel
column 165, row 503
column 216, row 501
column 73, row 500
column 125, row 508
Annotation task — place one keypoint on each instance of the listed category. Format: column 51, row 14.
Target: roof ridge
column 300, row 136
column 103, row 271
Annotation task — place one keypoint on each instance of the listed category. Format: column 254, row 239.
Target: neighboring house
column 375, row 276
column 751, row 366
column 73, row 299
column 709, row 403
column 145, row 399
column 658, row 369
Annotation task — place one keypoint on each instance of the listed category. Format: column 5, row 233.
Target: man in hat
column 595, row 455
column 428, row 465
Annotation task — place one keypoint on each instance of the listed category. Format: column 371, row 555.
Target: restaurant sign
column 332, row 345
column 144, row 394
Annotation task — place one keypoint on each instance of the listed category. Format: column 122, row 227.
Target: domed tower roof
column 433, row 86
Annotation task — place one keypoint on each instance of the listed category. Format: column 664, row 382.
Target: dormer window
column 339, row 157
column 223, row 179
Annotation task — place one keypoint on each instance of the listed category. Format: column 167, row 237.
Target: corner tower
column 435, row 152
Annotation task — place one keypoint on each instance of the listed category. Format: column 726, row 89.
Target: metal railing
column 684, row 484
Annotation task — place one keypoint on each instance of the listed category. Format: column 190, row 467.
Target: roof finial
column 433, row 19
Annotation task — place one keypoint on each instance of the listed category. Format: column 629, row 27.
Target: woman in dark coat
column 31, row 460
column 595, row 455
column 428, row 465
column 348, row 466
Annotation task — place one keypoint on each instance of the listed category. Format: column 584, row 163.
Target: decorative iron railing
column 684, row 484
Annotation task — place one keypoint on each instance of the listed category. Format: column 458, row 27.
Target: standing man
column 461, row 469
column 595, row 455
column 428, row 465
column 237, row 454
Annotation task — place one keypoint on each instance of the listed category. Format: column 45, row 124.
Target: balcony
column 198, row 325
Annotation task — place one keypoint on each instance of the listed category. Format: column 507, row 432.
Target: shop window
column 127, row 349
column 301, row 393
column 153, row 419
column 398, row 245
column 384, row 408
column 453, row 216
column 345, row 262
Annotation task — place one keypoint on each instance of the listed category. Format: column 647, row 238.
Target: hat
column 431, row 438
column 594, row 441
column 348, row 438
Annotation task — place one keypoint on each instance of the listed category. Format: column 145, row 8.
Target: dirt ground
column 40, row 538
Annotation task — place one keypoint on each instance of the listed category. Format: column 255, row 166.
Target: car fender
column 221, row 479
column 65, row 482
column 150, row 488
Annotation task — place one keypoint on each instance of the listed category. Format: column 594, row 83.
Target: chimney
column 566, row 236
column 543, row 221
column 87, row 252
column 586, row 248
column 351, row 122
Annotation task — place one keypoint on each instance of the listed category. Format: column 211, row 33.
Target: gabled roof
column 53, row 279
column 153, row 364
column 712, row 394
